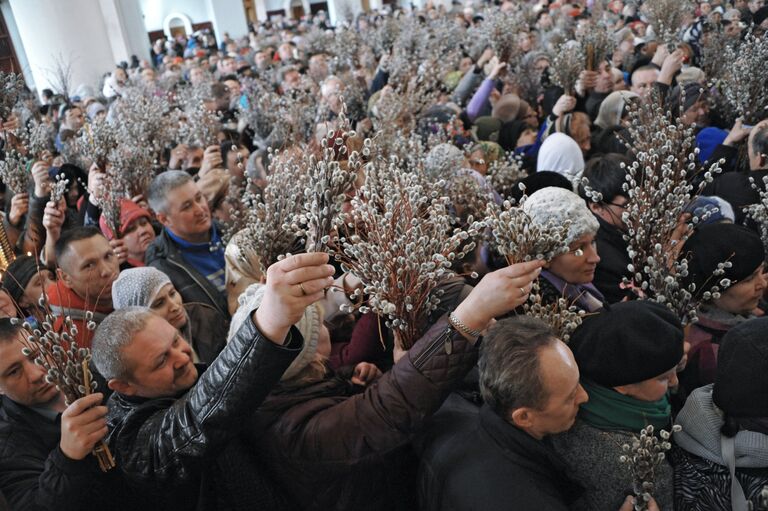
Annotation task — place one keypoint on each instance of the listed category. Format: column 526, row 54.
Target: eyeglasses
column 622, row 206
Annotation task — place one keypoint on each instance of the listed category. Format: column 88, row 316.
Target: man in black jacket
column 607, row 200
column 45, row 446
column 189, row 249
column 500, row 458
column 174, row 431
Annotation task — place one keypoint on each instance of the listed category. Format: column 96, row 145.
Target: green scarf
column 609, row 410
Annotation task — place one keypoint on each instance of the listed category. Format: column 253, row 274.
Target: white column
column 261, row 10
column 228, row 16
column 71, row 31
column 125, row 28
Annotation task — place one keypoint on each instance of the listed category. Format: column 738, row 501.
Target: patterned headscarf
column 137, row 286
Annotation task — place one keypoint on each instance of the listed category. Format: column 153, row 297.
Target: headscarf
column 560, row 153
column 612, row 108
column 137, row 287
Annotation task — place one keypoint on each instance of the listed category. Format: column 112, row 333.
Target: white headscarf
column 560, row 153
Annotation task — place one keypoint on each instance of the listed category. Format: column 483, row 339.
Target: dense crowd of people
column 201, row 221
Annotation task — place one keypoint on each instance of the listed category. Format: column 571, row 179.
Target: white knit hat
column 557, row 205
column 309, row 326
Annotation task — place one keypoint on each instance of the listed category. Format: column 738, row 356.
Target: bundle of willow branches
column 642, row 456
column 400, row 243
column 567, row 67
column 658, row 185
column 66, row 363
column 329, row 178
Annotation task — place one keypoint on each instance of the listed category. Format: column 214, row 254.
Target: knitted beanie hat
column 741, row 383
column 628, row 343
column 443, row 159
column 309, row 326
column 554, row 204
column 18, row 274
column 137, row 287
column 713, row 244
column 129, row 213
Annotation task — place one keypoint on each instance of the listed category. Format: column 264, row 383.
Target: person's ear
column 595, row 207
column 64, row 277
column 163, row 219
column 121, row 386
column 522, row 417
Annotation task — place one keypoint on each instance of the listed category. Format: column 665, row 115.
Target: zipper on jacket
column 435, row 346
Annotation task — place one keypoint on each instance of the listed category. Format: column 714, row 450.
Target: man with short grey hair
column 189, row 249
column 174, row 426
column 501, row 457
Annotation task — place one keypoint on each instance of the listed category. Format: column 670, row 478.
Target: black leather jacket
column 169, row 448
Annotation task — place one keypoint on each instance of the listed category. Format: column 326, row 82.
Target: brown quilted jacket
column 333, row 446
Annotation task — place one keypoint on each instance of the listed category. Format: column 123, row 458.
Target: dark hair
column 539, row 180
column 605, row 176
column 69, row 236
column 730, row 427
column 9, row 330
column 510, row 375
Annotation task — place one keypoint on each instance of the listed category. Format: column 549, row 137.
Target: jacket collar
column 611, row 233
column 48, row 431
column 60, row 295
column 535, row 455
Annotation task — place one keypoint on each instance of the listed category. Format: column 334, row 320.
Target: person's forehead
column 86, row 248
column 151, row 341
column 184, row 192
column 559, row 371
column 10, row 353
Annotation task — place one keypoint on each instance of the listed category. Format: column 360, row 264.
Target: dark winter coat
column 36, row 475
column 193, row 287
column 736, row 188
column 593, row 457
column 334, row 449
column 206, row 330
column 614, row 259
column 184, row 451
column 475, row 460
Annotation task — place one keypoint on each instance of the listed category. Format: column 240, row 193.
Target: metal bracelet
column 461, row 327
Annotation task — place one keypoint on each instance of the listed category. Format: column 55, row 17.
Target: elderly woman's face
column 653, row 389
column 742, row 297
column 578, row 265
column 167, row 304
